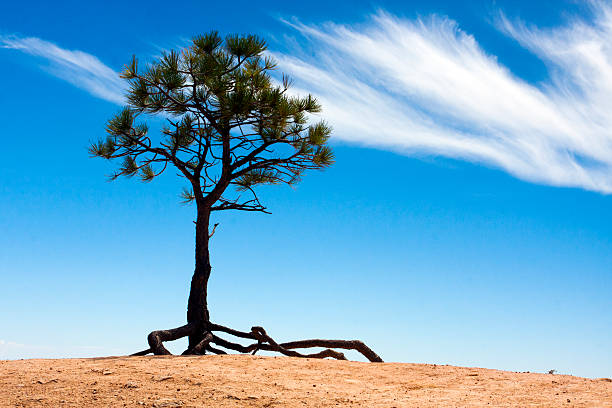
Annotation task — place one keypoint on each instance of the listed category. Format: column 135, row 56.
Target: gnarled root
column 262, row 341
column 157, row 337
column 201, row 347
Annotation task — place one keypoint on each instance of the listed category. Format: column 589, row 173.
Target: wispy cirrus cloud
column 424, row 86
column 79, row 68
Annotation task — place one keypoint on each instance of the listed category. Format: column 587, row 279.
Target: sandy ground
column 247, row 381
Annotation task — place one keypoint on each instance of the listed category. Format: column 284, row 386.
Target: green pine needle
column 146, row 173
column 187, row 195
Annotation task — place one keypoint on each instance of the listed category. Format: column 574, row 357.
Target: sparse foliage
column 228, row 123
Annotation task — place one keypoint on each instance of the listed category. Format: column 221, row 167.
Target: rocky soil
column 251, row 381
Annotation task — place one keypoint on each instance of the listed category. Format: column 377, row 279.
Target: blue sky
column 466, row 220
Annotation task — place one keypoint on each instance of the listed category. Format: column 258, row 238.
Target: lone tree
column 229, row 128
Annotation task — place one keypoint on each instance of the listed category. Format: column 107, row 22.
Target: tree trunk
column 200, row 329
column 197, row 306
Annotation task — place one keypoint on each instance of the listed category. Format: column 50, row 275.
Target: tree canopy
column 229, row 122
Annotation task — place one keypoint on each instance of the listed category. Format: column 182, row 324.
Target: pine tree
column 229, row 128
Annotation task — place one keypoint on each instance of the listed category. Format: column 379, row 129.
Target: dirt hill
column 247, row 381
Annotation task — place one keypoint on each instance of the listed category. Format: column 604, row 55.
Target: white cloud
column 425, row 86
column 79, row 68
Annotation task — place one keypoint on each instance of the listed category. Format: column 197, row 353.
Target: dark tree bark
column 197, row 305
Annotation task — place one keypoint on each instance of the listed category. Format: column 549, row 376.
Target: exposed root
column 356, row 345
column 156, row 338
column 262, row 341
column 201, row 347
column 141, row 353
column 215, row 350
